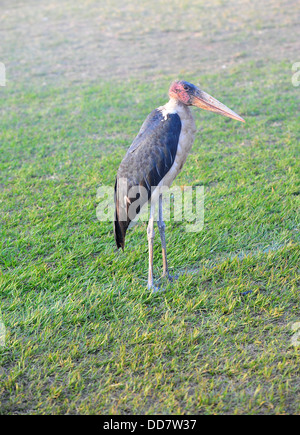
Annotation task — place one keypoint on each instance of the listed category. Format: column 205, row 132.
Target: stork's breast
column 186, row 140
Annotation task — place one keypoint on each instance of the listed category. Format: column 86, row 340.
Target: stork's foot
column 171, row 278
column 157, row 289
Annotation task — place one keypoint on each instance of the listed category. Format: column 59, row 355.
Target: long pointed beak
column 205, row 101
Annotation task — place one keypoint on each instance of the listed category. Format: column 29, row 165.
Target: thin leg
column 161, row 226
column 150, row 236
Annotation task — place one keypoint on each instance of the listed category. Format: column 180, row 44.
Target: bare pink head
column 182, row 90
column 190, row 95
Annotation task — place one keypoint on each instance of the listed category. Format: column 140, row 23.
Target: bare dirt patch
column 54, row 41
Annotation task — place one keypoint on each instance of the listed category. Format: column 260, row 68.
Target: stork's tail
column 120, row 226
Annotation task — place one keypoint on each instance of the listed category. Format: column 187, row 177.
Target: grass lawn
column 83, row 333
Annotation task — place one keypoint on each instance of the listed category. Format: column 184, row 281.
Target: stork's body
column 186, row 137
column 155, row 158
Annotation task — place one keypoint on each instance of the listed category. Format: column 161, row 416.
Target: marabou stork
column 156, row 157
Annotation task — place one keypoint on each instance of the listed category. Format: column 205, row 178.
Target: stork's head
column 190, row 95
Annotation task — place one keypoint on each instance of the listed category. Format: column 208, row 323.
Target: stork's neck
column 174, row 105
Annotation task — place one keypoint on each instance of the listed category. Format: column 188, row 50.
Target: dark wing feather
column 148, row 159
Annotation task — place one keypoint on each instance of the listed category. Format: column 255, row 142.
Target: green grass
column 83, row 333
